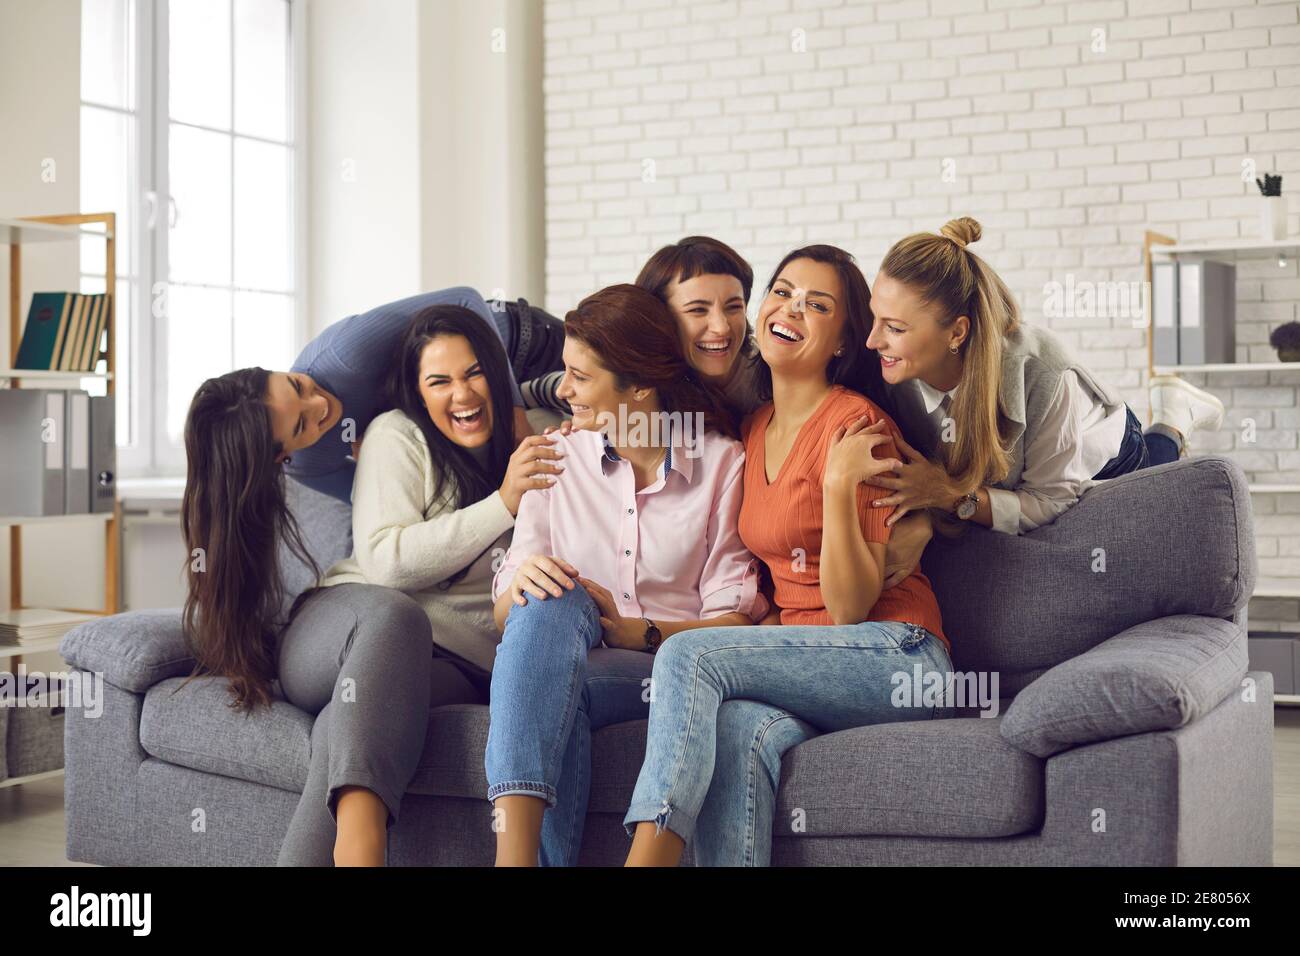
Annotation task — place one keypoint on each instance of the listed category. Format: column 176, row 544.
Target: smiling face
column 710, row 313
column 909, row 338
column 801, row 321
column 589, row 387
column 455, row 391
column 301, row 411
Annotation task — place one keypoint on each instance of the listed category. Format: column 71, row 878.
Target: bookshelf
column 16, row 233
column 1157, row 246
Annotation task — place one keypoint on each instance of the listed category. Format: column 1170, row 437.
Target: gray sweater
column 404, row 539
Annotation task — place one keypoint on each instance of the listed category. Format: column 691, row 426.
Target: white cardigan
column 402, row 538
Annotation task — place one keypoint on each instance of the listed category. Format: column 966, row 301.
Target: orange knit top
column 781, row 522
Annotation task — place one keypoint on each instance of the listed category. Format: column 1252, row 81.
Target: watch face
column 966, row 510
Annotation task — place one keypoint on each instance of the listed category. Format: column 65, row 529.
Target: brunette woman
column 356, row 653
column 636, row 545
column 806, row 514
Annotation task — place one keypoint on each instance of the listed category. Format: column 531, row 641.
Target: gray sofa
column 1129, row 732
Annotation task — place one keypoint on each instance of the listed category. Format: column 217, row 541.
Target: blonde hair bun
column 962, row 231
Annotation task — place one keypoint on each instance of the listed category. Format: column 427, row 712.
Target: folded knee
column 573, row 612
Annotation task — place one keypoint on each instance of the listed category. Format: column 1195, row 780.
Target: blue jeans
column 832, row 677
column 552, row 684
column 1158, row 445
column 735, row 824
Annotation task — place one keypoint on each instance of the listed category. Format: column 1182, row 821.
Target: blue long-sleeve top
column 351, row 359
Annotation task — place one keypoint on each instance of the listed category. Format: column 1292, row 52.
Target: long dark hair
column 234, row 510
column 635, row 336
column 858, row 368
column 460, row 476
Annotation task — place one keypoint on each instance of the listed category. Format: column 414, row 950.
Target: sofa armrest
column 133, row 651
column 1157, row 675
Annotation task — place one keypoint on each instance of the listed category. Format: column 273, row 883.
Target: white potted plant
column 1272, row 216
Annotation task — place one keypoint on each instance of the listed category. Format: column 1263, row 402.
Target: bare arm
column 906, row 544
column 852, row 568
column 629, row 632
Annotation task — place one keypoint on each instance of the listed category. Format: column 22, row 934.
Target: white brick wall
column 775, row 123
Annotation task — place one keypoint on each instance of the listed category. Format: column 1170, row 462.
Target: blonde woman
column 1010, row 428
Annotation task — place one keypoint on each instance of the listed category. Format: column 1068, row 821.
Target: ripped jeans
column 832, row 677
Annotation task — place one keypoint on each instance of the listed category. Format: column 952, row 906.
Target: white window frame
column 152, row 454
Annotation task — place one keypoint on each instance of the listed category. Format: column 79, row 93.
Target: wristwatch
column 966, row 505
column 653, row 638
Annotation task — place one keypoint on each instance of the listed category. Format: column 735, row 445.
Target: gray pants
column 361, row 658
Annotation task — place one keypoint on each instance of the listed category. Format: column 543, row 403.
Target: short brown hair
column 691, row 257
column 634, row 335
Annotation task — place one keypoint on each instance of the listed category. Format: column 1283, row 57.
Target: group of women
column 745, row 588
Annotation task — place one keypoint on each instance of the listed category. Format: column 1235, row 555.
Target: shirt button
column 626, row 596
column 627, row 552
column 629, row 510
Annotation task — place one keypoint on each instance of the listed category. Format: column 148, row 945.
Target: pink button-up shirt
column 670, row 551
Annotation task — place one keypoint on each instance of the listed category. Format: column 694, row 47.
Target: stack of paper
column 30, row 625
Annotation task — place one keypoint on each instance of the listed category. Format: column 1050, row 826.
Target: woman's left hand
column 920, row 483
column 624, row 632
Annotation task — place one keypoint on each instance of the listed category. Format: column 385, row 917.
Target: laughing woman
column 1031, row 428
column 322, row 406
column 635, row 544
column 437, row 490
column 806, row 514
column 354, row 652
column 706, row 285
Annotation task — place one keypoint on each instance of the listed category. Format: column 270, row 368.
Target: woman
column 829, row 664
column 1018, row 429
column 354, row 652
column 322, row 406
column 637, row 545
column 706, row 285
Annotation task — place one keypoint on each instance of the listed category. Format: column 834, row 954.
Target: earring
column 953, row 349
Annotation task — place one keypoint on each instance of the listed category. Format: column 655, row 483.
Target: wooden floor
column 31, row 815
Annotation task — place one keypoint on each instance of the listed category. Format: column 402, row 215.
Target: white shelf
column 11, row 520
column 1230, row 367
column 1275, row 489
column 43, row 375
column 1231, row 249
column 21, row 231
column 1277, row 588
column 31, row 778
column 150, row 494
column 38, row 647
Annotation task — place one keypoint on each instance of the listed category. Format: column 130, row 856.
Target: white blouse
column 1079, row 434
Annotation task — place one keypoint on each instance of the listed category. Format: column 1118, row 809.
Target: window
column 109, row 174
column 188, row 134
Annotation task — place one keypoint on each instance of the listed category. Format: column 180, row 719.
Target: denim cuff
column 679, row 821
column 522, row 788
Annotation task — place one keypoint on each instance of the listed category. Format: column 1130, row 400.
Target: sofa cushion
column 1156, row 676
column 1174, row 539
column 934, row 778
column 192, row 725
column 133, row 650
column 919, row 778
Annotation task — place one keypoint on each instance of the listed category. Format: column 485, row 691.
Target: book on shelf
column 64, row 331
